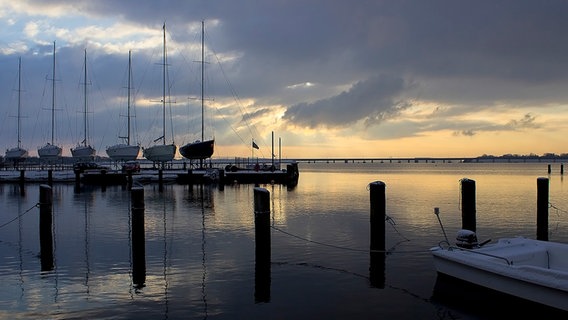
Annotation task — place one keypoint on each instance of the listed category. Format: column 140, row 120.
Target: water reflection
column 199, row 247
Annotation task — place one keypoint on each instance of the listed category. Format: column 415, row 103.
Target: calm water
column 200, row 246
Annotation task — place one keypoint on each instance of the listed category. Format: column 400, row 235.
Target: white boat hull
column 529, row 269
column 123, row 152
column 49, row 152
column 160, row 153
column 83, row 153
column 16, row 154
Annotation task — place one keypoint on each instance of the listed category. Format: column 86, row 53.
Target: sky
column 313, row 78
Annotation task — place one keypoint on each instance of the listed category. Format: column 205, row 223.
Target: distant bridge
column 434, row 160
column 382, row 160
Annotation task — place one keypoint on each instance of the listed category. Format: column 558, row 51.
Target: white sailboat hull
column 161, row 153
column 123, row 152
column 15, row 154
column 49, row 152
column 83, row 153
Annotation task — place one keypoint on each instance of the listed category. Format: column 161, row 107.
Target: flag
column 254, row 145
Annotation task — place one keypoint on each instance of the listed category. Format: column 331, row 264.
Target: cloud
column 371, row 100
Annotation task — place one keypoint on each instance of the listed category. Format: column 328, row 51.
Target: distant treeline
column 529, row 156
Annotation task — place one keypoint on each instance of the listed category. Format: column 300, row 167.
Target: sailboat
column 50, row 151
column 83, row 151
column 125, row 151
column 199, row 149
column 18, row 153
column 161, row 152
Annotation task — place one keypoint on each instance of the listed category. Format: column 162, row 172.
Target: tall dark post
column 221, row 183
column 378, row 218
column 22, row 183
column 549, row 169
column 103, row 180
column 562, row 168
column 160, row 180
column 468, row 204
column 50, row 177
column 138, row 237
column 45, row 226
column 262, row 244
column 542, row 209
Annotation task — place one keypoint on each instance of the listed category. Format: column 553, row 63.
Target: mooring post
column 377, row 220
column 562, row 168
column 221, row 179
column 50, row 177
column 160, row 179
column 549, row 169
column 468, row 204
column 262, row 244
column 138, row 237
column 542, row 209
column 378, row 215
column 129, row 180
column 22, row 183
column 45, row 226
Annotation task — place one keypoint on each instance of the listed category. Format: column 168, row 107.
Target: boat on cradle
column 162, row 152
column 51, row 152
column 84, row 151
column 529, row 269
column 125, row 151
column 200, row 149
column 17, row 153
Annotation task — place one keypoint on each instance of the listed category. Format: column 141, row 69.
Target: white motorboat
column 125, row 151
column 18, row 153
column 530, row 269
column 162, row 152
column 50, row 152
column 84, row 151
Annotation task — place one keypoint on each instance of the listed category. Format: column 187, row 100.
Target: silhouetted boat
column 200, row 149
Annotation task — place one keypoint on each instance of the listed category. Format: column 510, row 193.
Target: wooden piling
column 103, row 180
column 542, row 209
column 50, row 177
column 468, row 204
column 378, row 215
column 221, row 181
column 378, row 238
column 562, row 168
column 262, row 244
column 22, row 176
column 45, row 227
column 138, row 237
column 77, row 180
column 549, row 169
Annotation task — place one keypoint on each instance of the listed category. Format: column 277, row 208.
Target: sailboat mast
column 53, row 96
column 128, row 99
column 202, row 77
column 19, row 99
column 85, row 103
column 164, row 89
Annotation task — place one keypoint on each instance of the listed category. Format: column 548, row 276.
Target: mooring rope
column 389, row 251
column 20, row 215
column 550, row 205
